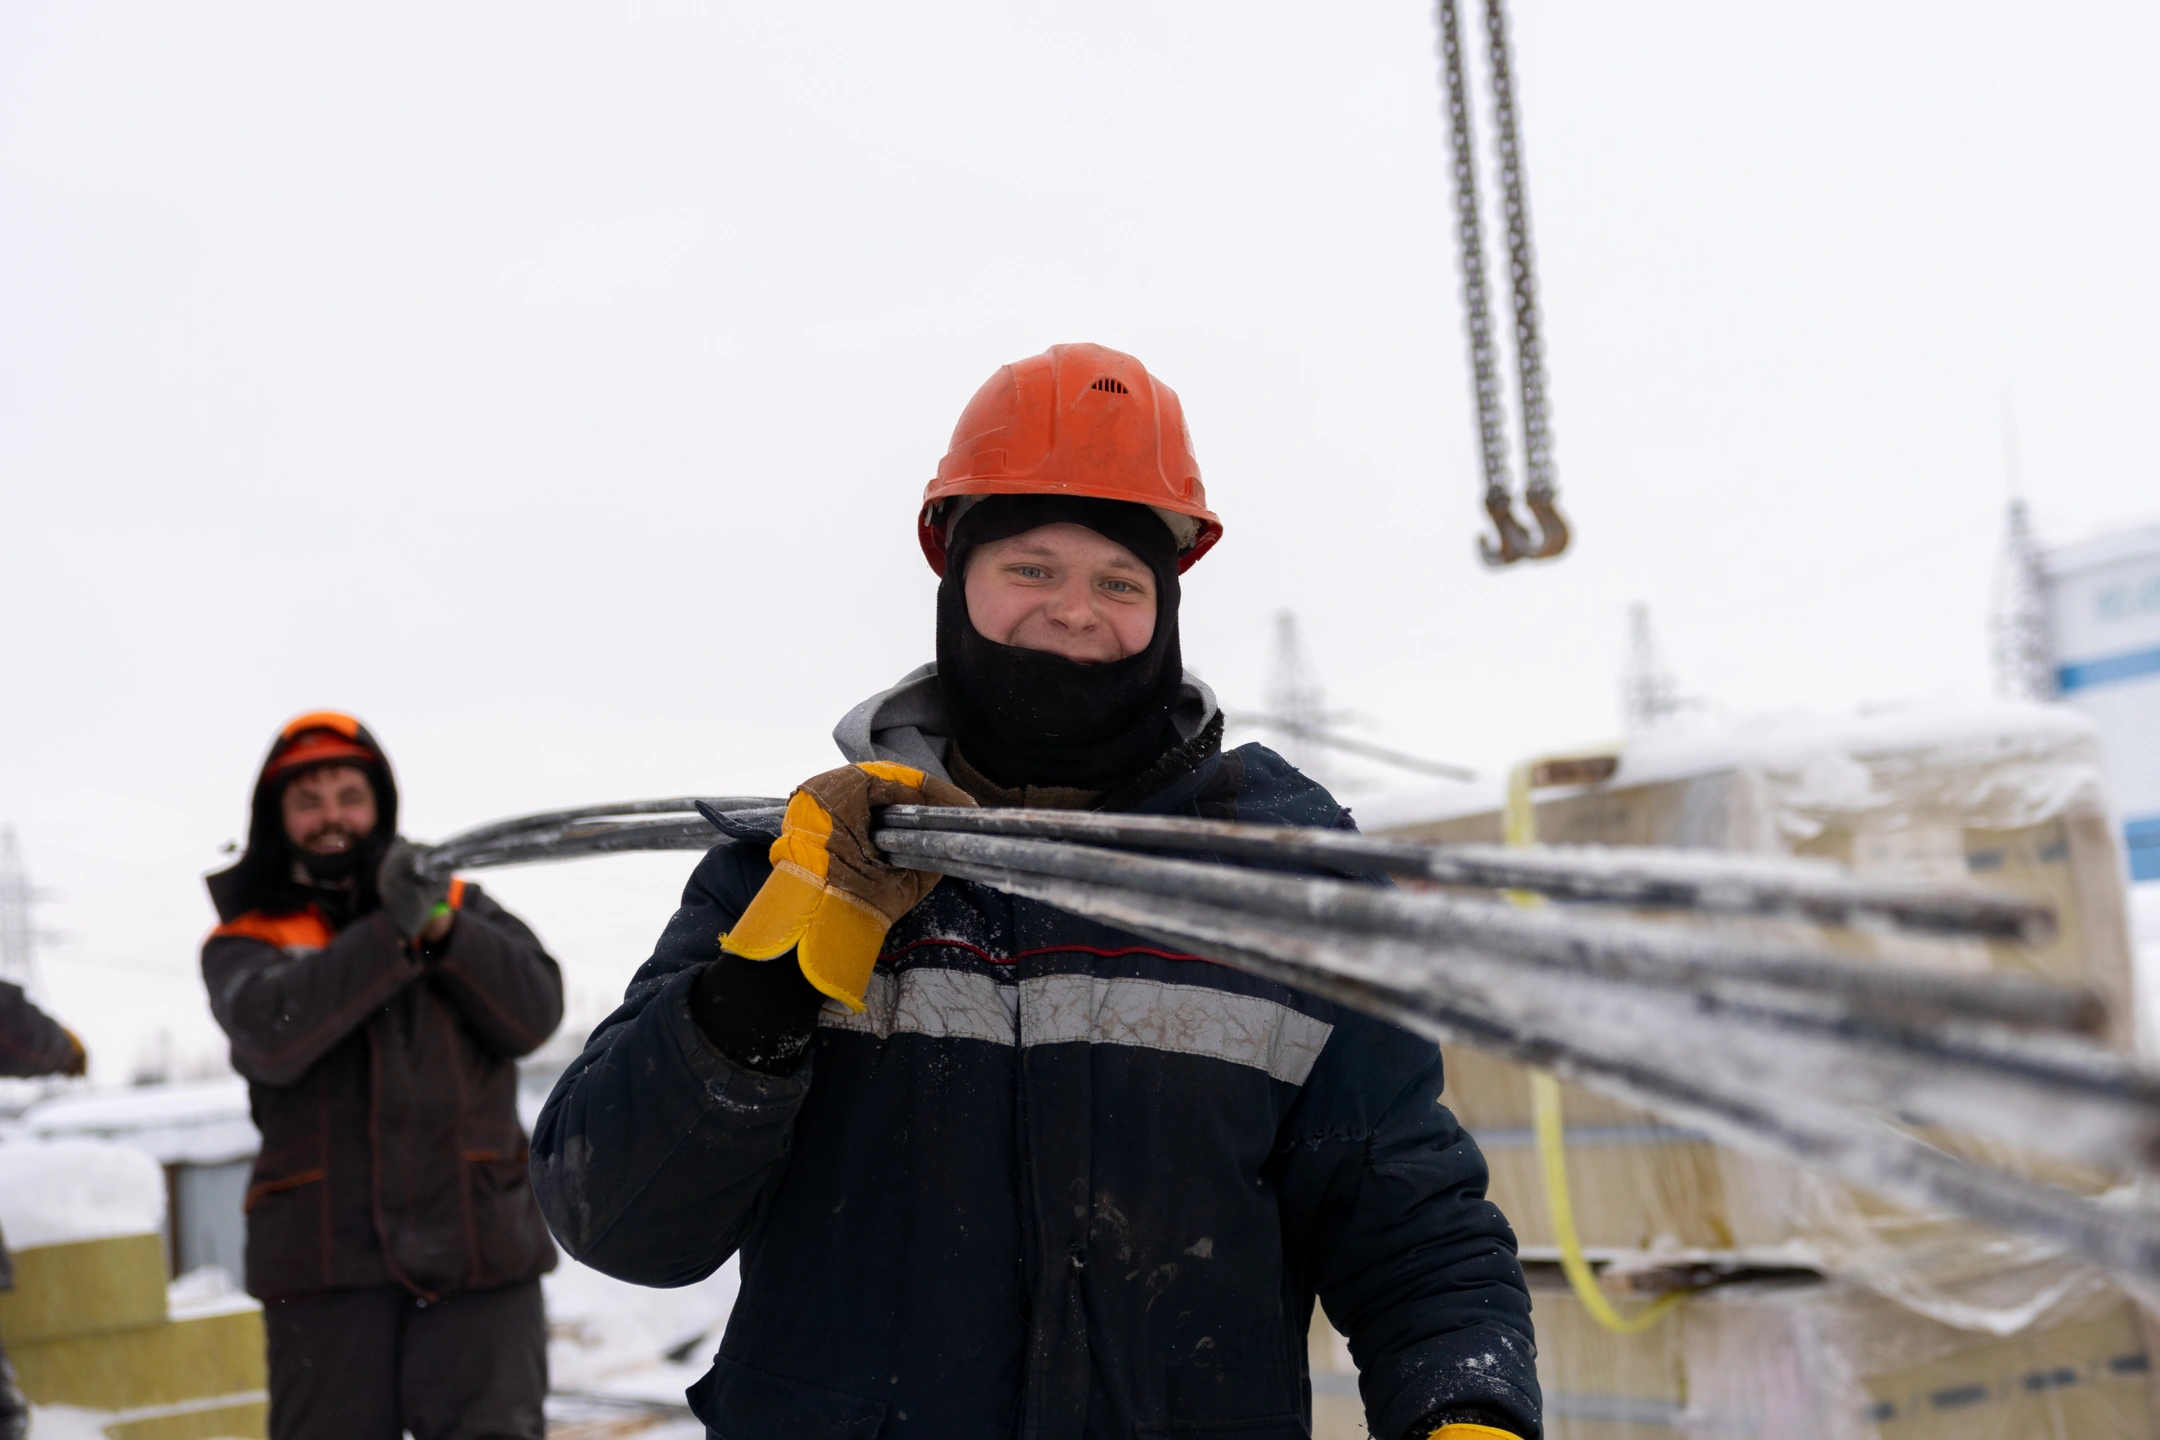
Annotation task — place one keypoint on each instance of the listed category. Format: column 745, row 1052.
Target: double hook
column 1516, row 542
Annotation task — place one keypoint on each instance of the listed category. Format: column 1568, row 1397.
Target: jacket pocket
column 286, row 1221
column 737, row 1402
column 262, row 1188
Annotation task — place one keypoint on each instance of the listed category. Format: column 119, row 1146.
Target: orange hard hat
column 1074, row 420
column 321, row 737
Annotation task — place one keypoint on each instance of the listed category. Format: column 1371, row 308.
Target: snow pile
column 204, row 1122
column 2000, row 765
column 67, row 1190
column 67, row 1422
column 206, row 1290
column 608, row 1338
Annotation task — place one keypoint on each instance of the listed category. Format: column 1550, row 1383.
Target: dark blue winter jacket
column 1055, row 1182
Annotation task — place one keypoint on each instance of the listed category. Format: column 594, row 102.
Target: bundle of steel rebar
column 1780, row 1048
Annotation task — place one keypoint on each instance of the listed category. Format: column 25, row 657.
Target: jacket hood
column 908, row 724
column 262, row 878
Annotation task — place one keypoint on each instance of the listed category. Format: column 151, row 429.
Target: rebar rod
column 1705, row 963
column 587, row 830
column 1359, row 972
column 1650, row 878
column 1717, row 884
column 2073, row 1100
column 1786, row 1053
column 1629, row 949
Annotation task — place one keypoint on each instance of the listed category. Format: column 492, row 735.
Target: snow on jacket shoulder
column 1054, row 1181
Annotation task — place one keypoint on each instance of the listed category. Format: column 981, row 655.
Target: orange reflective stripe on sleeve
column 456, row 897
column 307, row 929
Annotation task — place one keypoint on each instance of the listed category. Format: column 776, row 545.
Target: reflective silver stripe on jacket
column 1064, row 1009
column 950, row 1004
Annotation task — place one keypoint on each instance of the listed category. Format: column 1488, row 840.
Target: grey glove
column 407, row 898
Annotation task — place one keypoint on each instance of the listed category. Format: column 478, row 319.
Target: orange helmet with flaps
column 1074, row 420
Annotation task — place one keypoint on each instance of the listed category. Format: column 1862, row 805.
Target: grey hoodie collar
column 907, row 723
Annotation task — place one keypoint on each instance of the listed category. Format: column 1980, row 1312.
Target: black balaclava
column 1027, row 717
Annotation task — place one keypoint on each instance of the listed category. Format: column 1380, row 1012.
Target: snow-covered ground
column 613, row 1346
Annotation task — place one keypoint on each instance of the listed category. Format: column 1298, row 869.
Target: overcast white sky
column 555, row 387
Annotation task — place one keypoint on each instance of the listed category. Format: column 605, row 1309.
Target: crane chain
column 1515, row 205
column 1515, row 541
column 1470, row 247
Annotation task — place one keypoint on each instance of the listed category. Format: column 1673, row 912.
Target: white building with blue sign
column 2104, row 615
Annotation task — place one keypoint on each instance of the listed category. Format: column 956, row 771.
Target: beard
column 332, row 865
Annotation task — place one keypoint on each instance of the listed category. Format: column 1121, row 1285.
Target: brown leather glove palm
column 831, row 896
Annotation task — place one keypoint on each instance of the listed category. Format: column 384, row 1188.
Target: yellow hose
column 1551, row 1128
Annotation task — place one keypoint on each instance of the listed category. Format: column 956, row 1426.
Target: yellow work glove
column 831, row 897
column 1461, row 1431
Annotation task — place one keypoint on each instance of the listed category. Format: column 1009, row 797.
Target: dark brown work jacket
column 385, row 1087
column 31, row 1043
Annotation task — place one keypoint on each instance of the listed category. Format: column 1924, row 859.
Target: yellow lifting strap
column 1520, row 820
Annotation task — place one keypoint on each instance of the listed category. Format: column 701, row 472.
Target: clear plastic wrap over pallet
column 1831, row 1361
column 1813, row 1360
column 2007, row 795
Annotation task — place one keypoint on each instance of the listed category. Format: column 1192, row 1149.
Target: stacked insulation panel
column 91, row 1324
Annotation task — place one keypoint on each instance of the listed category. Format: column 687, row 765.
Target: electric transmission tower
column 2018, row 620
column 1297, row 711
column 18, row 936
column 1295, row 701
column 1648, row 692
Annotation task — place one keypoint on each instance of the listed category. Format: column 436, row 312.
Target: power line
column 1297, row 709
column 1349, row 744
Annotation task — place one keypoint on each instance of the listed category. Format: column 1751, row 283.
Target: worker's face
column 329, row 809
column 1065, row 589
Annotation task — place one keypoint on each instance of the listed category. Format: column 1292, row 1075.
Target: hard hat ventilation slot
column 1115, row 387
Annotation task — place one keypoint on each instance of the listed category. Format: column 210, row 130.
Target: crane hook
column 1553, row 532
column 1515, row 542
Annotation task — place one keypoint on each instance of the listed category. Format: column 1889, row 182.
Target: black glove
column 407, row 898
column 759, row 1015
